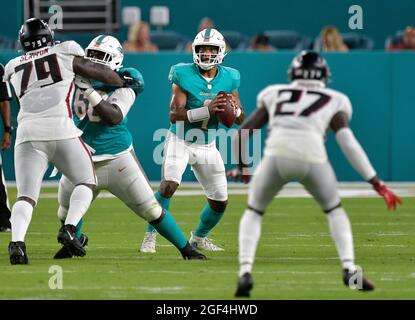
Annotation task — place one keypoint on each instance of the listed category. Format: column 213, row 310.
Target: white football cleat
column 149, row 243
column 203, row 243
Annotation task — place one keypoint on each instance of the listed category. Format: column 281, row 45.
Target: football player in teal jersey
column 101, row 113
column 192, row 134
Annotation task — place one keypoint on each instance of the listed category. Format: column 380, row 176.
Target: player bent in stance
column 299, row 115
column 43, row 81
column 101, row 113
column 191, row 138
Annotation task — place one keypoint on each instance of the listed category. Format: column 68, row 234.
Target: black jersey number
column 322, row 100
column 42, row 72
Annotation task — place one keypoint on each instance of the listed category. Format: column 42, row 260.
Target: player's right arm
column 179, row 112
column 358, row 159
column 90, row 70
column 255, row 121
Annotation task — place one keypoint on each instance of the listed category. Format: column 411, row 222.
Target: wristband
column 93, row 97
column 8, row 129
column 198, row 114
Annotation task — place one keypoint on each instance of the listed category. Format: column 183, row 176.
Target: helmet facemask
column 99, row 56
column 207, row 60
column 208, row 38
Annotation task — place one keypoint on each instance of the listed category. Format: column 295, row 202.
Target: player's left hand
column 390, row 197
column 83, row 83
column 6, row 141
column 239, row 174
column 129, row 80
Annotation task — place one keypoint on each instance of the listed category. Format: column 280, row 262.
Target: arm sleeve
column 354, row 153
column 124, row 98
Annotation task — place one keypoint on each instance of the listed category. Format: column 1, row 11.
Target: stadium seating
column 394, row 40
column 168, row 40
column 354, row 41
column 358, row 41
column 235, row 39
column 287, row 39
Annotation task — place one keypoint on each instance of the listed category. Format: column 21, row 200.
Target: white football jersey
column 43, row 82
column 299, row 116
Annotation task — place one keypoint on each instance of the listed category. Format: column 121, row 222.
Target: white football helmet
column 209, row 37
column 106, row 50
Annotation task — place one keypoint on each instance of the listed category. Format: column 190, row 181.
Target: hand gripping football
column 228, row 116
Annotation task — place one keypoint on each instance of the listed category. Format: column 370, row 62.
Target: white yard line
column 291, row 190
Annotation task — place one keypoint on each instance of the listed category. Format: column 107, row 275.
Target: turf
column 296, row 258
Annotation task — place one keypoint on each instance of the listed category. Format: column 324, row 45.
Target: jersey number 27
column 320, row 101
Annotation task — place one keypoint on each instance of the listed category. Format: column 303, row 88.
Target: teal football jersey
column 199, row 93
column 103, row 138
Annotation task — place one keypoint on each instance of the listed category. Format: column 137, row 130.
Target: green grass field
column 296, row 258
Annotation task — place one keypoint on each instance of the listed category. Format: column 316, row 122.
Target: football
column 227, row 117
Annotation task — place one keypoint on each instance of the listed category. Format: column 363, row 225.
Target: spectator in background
column 139, row 39
column 261, row 43
column 205, row 23
column 331, row 40
column 408, row 41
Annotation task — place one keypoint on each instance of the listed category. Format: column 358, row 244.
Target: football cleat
column 189, row 253
column 17, row 252
column 64, row 252
column 67, row 237
column 203, row 243
column 362, row 285
column 245, row 285
column 149, row 243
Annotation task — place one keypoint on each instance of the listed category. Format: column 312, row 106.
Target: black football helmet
column 34, row 34
column 309, row 65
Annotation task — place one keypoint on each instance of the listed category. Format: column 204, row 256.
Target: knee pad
column 62, row 213
column 150, row 211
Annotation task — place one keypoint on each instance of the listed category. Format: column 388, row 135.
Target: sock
column 209, row 218
column 79, row 203
column 165, row 203
column 341, row 233
column 20, row 219
column 62, row 213
column 249, row 233
column 169, row 229
column 78, row 228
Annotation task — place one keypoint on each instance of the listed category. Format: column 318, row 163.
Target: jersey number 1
column 322, row 100
column 41, row 72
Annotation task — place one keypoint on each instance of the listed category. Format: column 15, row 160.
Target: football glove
column 132, row 79
column 391, row 198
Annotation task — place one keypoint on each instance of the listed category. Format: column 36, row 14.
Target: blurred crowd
column 330, row 39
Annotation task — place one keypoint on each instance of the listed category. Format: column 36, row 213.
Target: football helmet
column 208, row 37
column 105, row 50
column 309, row 65
column 35, row 34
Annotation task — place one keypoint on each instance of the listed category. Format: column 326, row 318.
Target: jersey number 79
column 40, row 67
